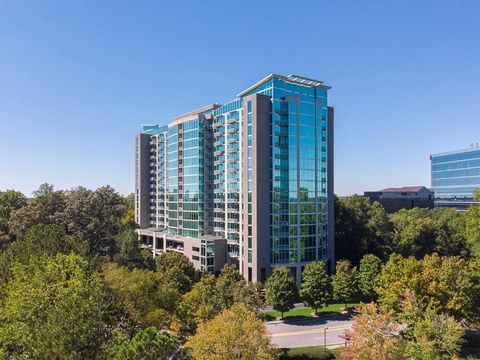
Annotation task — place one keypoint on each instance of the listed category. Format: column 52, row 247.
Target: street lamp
column 325, row 337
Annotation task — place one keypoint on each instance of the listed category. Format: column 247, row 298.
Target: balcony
column 232, row 140
column 218, row 143
column 218, row 134
column 218, row 162
column 233, row 130
column 217, row 124
column 218, row 153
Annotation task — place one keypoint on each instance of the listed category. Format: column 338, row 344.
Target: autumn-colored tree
column 449, row 285
column 429, row 334
column 374, row 335
column 234, row 334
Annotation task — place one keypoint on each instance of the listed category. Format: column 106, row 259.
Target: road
column 309, row 332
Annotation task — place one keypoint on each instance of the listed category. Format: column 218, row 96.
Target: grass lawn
column 310, row 353
column 306, row 312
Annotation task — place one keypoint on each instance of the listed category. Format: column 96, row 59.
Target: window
column 195, row 257
column 196, row 249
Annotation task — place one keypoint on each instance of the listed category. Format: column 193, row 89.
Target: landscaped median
column 306, row 312
column 310, row 352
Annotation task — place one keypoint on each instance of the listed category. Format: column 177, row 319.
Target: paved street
column 309, row 332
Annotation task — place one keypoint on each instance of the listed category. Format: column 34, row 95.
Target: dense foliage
column 75, row 283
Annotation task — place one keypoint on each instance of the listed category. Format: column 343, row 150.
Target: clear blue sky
column 78, row 78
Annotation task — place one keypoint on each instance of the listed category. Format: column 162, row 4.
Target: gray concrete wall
column 142, row 180
column 330, row 190
column 261, row 115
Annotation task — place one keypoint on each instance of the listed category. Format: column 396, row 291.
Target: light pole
column 325, row 337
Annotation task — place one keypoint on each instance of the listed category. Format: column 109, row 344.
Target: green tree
column 148, row 344
column 146, row 296
column 472, row 227
column 130, row 255
column 94, row 217
column 39, row 239
column 414, row 233
column 368, row 270
column 361, row 227
column 10, row 201
column 201, row 303
column 281, row 290
column 42, row 209
column 344, row 282
column 316, row 289
column 128, row 218
column 230, row 284
column 235, row 334
column 177, row 268
column 54, row 308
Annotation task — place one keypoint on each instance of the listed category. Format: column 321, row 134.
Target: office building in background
column 249, row 182
column 407, row 197
column 455, row 177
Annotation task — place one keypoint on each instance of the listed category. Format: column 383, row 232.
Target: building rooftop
column 299, row 80
column 408, row 189
column 473, row 147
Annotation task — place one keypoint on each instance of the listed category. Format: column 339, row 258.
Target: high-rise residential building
column 249, row 182
column 455, row 177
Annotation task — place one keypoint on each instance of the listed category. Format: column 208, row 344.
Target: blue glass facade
column 455, row 176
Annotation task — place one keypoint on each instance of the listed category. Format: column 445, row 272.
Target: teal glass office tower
column 455, row 177
column 253, row 178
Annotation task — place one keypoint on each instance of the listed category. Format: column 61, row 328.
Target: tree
column 251, row 295
column 414, row 233
column 429, row 334
column 472, row 229
column 316, row 289
column 374, row 335
column 177, row 268
column 42, row 209
column 130, row 254
column 361, row 227
column 344, row 282
column 369, row 268
column 39, row 239
column 94, row 217
column 230, row 284
column 147, row 344
column 128, row 218
column 145, row 295
column 281, row 290
column 234, row 334
column 54, row 308
column 10, row 201
column 449, row 285
column 200, row 304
